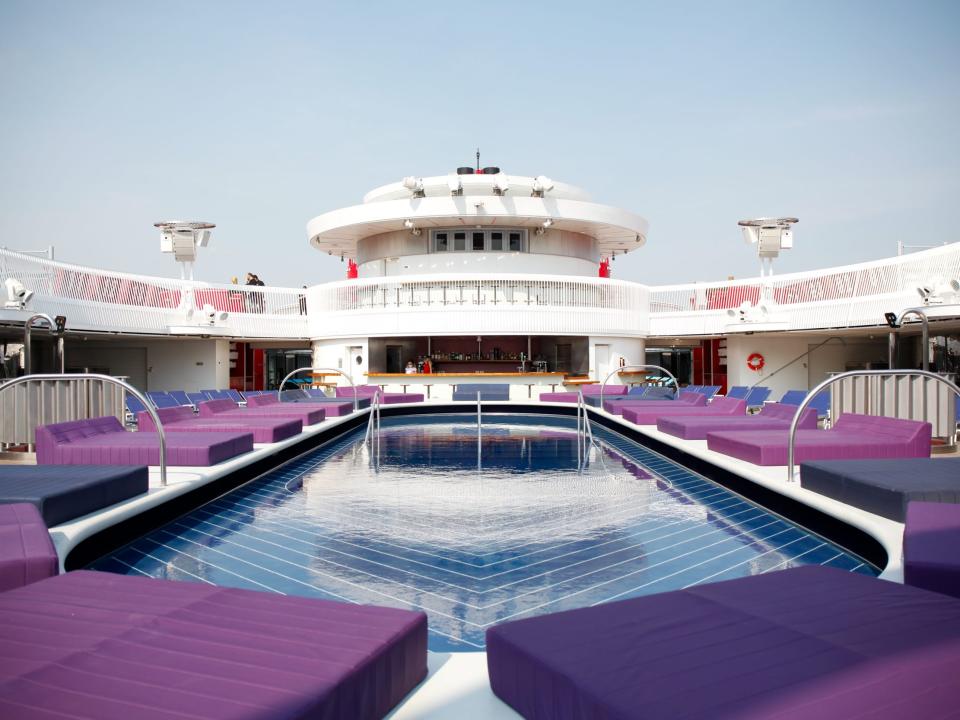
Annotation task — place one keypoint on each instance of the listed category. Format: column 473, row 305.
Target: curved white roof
column 430, row 202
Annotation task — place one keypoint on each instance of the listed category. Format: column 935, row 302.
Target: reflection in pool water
column 474, row 538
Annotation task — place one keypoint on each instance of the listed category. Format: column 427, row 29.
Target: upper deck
column 489, row 222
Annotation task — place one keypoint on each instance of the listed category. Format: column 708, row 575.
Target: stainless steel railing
column 356, row 399
column 372, row 437
column 639, row 367
column 794, row 424
column 75, row 377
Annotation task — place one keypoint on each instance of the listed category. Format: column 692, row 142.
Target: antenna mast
column 478, row 159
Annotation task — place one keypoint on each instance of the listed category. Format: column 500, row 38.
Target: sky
column 261, row 116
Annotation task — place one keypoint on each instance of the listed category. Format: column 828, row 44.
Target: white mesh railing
column 104, row 300
column 475, row 303
column 838, row 297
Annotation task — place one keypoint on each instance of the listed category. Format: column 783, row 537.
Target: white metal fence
column 479, row 304
column 94, row 299
column 849, row 296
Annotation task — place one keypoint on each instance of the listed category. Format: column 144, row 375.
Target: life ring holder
column 756, row 361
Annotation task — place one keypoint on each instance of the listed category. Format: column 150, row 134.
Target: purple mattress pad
column 772, row 417
column 566, row 397
column 853, row 436
column 616, row 407
column 103, row 441
column 26, row 550
column 182, row 419
column 98, row 645
column 721, row 407
column 810, row 642
column 228, row 408
column 385, row 397
column 331, row 406
column 931, row 537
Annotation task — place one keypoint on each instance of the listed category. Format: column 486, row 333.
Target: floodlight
column 409, row 225
column 212, row 315
column 547, row 223
column 456, row 187
column 541, row 184
column 891, row 318
column 501, row 184
column 414, row 185
column 17, row 295
column 61, row 323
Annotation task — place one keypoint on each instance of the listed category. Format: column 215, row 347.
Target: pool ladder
column 372, row 438
column 584, row 433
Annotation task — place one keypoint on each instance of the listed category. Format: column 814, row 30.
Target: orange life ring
column 755, row 362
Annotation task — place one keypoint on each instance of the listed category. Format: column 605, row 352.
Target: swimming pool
column 476, row 530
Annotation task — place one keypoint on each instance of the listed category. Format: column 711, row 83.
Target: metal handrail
column 766, row 378
column 372, row 437
column 638, row 367
column 115, row 381
column 794, row 424
column 28, row 343
column 356, row 400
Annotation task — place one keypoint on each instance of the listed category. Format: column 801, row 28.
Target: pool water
column 476, row 530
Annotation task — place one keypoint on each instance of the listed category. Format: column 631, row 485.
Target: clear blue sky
column 260, row 116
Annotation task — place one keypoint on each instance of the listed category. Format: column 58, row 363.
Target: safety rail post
column 356, row 400
column 638, row 367
column 127, row 387
column 795, row 423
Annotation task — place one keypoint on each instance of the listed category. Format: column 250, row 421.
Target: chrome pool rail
column 372, row 436
column 638, row 367
column 356, row 399
column 795, row 423
column 113, row 381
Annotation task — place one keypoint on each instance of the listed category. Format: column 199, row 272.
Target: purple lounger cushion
column 588, row 391
column 331, row 408
column 26, row 550
column 117, row 647
column 228, row 408
column 721, row 407
column 853, row 436
column 930, row 541
column 616, row 407
column 103, row 441
column 774, row 416
column 801, row 644
column 385, row 397
column 182, row 419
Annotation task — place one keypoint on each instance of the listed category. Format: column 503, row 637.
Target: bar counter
column 430, row 380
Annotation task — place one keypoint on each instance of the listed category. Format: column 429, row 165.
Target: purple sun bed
column 26, row 550
column 103, row 441
column 331, row 407
column 617, row 406
column 385, row 397
column 931, row 537
column 810, row 642
column 721, row 407
column 773, row 416
column 588, row 391
column 229, row 409
column 182, row 419
column 98, row 645
column 852, row 436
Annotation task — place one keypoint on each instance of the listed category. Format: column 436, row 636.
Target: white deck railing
column 849, row 296
column 94, row 299
column 478, row 304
